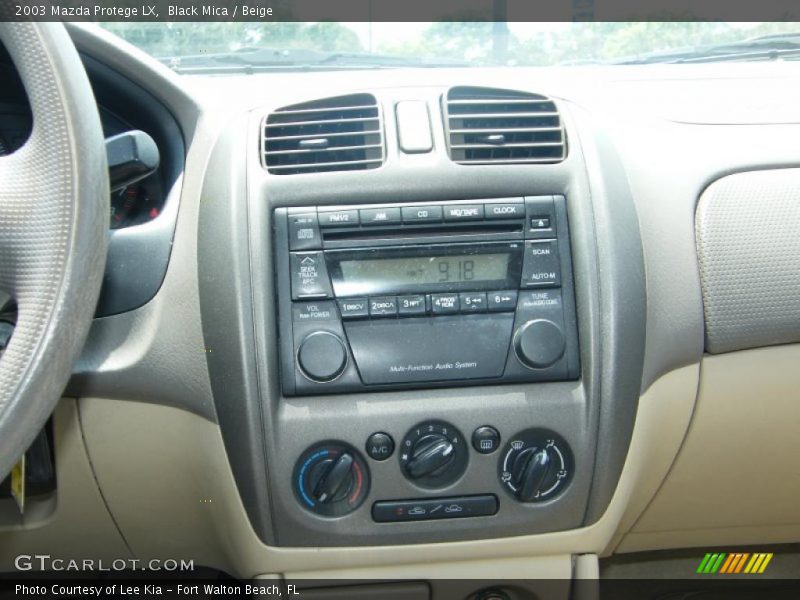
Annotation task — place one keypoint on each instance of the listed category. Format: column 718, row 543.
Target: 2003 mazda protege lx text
column 470, row 310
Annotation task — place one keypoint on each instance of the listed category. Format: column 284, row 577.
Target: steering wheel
column 53, row 228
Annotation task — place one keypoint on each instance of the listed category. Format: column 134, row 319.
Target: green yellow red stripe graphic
column 734, row 563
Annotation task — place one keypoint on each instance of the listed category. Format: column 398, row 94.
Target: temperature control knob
column 536, row 465
column 331, row 479
column 433, row 454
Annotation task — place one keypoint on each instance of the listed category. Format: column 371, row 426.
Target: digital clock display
column 367, row 276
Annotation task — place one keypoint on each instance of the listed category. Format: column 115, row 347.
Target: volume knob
column 322, row 356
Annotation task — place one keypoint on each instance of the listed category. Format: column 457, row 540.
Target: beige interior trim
column 165, row 470
column 79, row 526
column 541, row 567
column 736, row 479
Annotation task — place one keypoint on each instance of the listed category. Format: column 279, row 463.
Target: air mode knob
column 536, row 465
column 539, row 343
column 322, row 356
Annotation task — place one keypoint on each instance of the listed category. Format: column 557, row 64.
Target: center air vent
column 334, row 134
column 489, row 126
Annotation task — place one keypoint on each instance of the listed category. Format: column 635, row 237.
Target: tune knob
column 539, row 343
column 331, row 479
column 433, row 454
column 322, row 356
column 536, row 465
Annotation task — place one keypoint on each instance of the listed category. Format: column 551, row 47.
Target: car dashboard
column 475, row 320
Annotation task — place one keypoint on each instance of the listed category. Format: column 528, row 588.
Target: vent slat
column 327, row 164
column 486, row 126
column 523, row 145
column 506, row 130
column 344, row 133
column 330, row 149
column 508, row 115
column 280, row 138
column 324, row 122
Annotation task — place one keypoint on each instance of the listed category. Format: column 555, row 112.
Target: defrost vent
column 344, row 133
column 494, row 126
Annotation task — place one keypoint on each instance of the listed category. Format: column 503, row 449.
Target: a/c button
column 380, row 446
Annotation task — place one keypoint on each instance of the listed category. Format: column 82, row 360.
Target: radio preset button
column 463, row 212
column 502, row 301
column 409, row 306
column 304, row 232
column 309, row 276
column 383, row 306
column 506, row 210
column 354, row 308
column 379, row 216
column 472, row 302
column 541, row 266
column 338, row 218
column 422, row 214
column 444, row 304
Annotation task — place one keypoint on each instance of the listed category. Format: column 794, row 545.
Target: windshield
column 210, row 47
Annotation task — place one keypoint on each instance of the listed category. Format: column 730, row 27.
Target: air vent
column 489, row 126
column 334, row 134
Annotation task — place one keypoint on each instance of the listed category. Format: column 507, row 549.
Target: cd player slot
column 406, row 232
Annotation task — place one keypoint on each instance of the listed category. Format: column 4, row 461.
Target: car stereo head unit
column 419, row 295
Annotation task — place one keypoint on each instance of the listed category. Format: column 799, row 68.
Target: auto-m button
column 541, row 267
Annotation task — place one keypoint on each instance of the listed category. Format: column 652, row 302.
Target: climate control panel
column 332, row 479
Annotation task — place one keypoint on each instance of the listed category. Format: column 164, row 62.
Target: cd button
column 472, row 302
column 354, row 308
column 502, row 301
column 444, row 304
column 383, row 306
column 411, row 305
column 422, row 214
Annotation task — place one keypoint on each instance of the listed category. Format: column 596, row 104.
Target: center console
column 423, row 352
